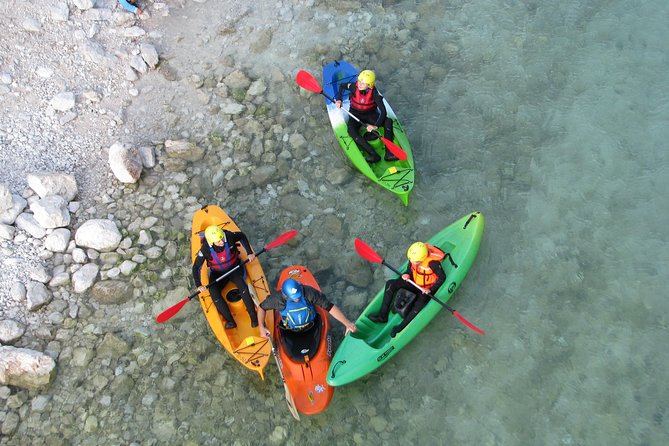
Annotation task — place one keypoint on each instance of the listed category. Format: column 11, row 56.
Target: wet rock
column 237, row 80
column 172, row 298
column 63, row 101
column 357, row 271
column 82, row 356
column 39, row 403
column 183, row 149
column 53, row 183
column 98, row 234
column 10, row 331
column 25, row 368
column 148, row 156
column 338, row 176
column 112, row 346
column 263, row 174
column 51, row 212
column 261, row 41
column 125, row 163
column 278, row 435
column 10, row 424
column 84, row 277
column 111, row 292
column 58, row 240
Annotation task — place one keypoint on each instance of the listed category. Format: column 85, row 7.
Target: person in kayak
column 367, row 105
column 130, row 5
column 425, row 271
column 295, row 304
column 219, row 250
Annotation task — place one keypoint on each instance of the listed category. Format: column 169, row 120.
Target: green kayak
column 371, row 346
column 396, row 176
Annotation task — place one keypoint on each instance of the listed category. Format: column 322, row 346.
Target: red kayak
column 305, row 356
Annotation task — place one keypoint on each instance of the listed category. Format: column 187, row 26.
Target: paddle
column 170, row 312
column 368, row 253
column 308, row 82
column 289, row 397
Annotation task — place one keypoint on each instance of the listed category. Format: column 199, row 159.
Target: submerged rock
column 22, row 367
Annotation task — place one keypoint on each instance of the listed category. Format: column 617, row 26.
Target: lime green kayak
column 396, row 176
column 371, row 346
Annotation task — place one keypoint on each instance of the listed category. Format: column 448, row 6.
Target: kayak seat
column 299, row 344
column 233, row 295
column 404, row 301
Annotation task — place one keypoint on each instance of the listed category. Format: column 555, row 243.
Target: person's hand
column 350, row 328
column 139, row 11
column 264, row 332
column 251, row 257
column 371, row 128
column 338, row 104
column 202, row 289
column 405, row 277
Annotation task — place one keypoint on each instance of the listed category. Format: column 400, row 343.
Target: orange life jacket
column 363, row 100
column 422, row 274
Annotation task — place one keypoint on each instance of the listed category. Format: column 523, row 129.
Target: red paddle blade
column 280, row 240
column 171, row 311
column 308, row 82
column 468, row 324
column 394, row 149
column 366, row 252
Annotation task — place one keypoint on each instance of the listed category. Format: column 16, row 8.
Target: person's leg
column 420, row 303
column 390, row 135
column 238, row 278
column 221, row 305
column 353, row 128
column 391, row 287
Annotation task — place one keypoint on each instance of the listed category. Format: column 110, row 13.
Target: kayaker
column 425, row 270
column 219, row 249
column 130, row 5
column 367, row 105
column 296, row 306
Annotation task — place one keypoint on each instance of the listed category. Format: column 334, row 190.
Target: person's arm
column 197, row 270
column 240, row 237
column 271, row 303
column 129, row 7
column 383, row 113
column 264, row 332
column 441, row 276
column 339, row 315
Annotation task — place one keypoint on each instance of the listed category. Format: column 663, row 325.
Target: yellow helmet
column 367, row 76
column 417, row 252
column 213, row 234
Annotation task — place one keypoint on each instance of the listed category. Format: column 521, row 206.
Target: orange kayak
column 244, row 342
column 305, row 356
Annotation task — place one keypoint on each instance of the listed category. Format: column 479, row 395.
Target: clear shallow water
column 548, row 117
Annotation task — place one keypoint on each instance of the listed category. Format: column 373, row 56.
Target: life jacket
column 422, row 274
column 222, row 260
column 363, row 100
column 298, row 315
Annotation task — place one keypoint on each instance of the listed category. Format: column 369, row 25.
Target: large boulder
column 111, row 292
column 99, row 234
column 22, row 367
column 53, row 183
column 125, row 163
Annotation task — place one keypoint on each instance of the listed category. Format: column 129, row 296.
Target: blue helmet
column 291, row 289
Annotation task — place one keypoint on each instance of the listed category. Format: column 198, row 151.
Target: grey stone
column 111, row 292
column 10, row 331
column 25, row 368
column 51, row 212
column 58, row 240
column 125, row 163
column 53, row 183
column 98, row 234
column 84, row 277
column 63, row 101
column 18, row 205
column 149, row 54
column 112, row 346
column 27, row 222
column 39, row 274
column 37, row 295
column 183, row 149
column 7, row 231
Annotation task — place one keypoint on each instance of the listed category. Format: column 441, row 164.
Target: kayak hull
column 395, row 176
column 244, row 342
column 306, row 379
column 371, row 346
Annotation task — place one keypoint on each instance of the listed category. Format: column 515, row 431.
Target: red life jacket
column 422, row 274
column 363, row 100
column 222, row 260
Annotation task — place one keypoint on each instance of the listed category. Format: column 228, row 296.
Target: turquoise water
column 551, row 119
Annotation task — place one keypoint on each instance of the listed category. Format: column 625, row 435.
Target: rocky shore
column 105, row 158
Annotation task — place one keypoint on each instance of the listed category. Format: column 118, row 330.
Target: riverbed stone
column 101, row 235
column 51, row 212
column 37, row 295
column 10, row 331
column 84, row 277
column 58, row 240
column 53, row 183
column 25, row 368
column 111, row 292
